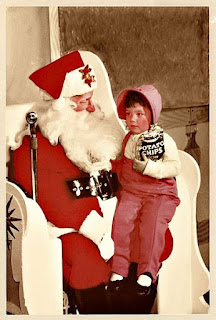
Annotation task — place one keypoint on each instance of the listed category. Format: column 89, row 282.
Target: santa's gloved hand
column 139, row 166
column 93, row 227
column 106, row 247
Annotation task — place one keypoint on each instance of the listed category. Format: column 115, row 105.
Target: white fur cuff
column 106, row 247
column 93, row 227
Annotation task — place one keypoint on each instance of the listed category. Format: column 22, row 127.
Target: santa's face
column 89, row 140
column 83, row 102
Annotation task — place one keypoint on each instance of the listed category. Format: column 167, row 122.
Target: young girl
column 149, row 193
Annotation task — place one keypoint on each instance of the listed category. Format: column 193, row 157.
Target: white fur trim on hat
column 58, row 104
column 75, row 83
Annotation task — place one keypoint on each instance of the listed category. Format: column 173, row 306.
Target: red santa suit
column 83, row 266
column 62, row 157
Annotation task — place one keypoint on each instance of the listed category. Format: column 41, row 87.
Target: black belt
column 104, row 186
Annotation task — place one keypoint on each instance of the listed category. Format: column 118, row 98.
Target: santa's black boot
column 92, row 300
column 128, row 298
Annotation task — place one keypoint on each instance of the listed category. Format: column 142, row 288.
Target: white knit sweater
column 167, row 167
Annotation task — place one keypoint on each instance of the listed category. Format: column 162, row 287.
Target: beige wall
column 28, row 49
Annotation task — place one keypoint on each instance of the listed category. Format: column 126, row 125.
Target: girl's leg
column 123, row 224
column 157, row 211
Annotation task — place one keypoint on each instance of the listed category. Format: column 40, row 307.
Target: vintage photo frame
column 202, row 114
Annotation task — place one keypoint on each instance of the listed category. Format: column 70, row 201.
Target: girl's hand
column 139, row 166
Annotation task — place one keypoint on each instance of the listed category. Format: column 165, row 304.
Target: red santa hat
column 66, row 77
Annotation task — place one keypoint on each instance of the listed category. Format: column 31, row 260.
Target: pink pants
column 153, row 212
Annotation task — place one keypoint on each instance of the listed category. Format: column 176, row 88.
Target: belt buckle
column 104, row 185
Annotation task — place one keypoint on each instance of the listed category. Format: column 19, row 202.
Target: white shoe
column 144, row 280
column 116, row 276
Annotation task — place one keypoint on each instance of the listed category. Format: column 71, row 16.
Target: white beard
column 89, row 139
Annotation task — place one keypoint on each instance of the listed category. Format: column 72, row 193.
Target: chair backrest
column 15, row 121
column 184, row 278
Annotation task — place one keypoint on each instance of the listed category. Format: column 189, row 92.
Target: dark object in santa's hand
column 150, row 144
column 105, row 185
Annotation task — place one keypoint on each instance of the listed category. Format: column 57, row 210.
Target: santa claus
column 76, row 140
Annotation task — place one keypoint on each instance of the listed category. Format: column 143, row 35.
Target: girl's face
column 138, row 118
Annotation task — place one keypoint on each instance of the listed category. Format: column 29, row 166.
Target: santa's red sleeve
column 54, row 170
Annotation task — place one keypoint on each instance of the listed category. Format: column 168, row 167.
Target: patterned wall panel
column 166, row 46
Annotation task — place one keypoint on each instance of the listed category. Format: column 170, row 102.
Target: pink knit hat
column 150, row 93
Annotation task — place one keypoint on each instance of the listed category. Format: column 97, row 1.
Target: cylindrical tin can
column 151, row 144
